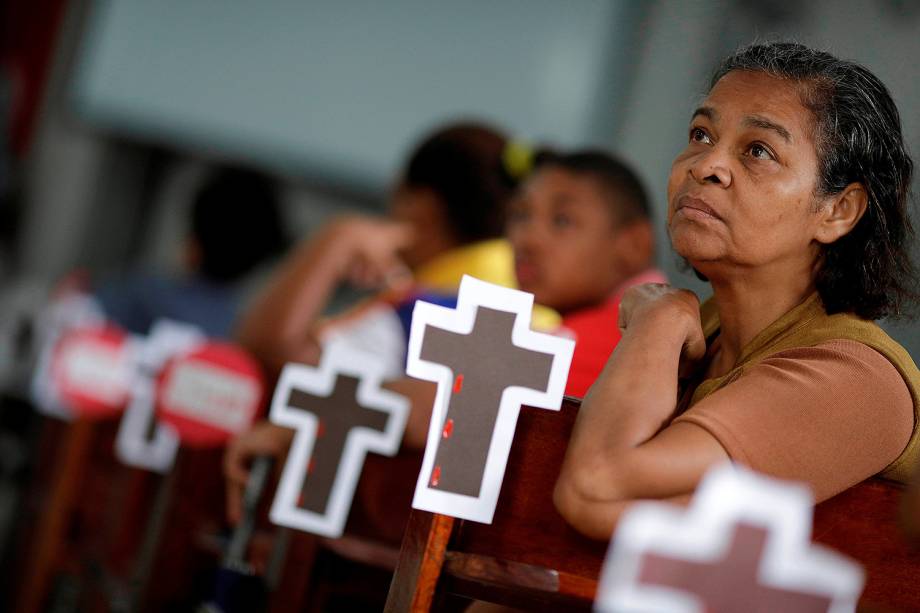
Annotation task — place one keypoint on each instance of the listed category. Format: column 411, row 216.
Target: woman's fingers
column 263, row 439
column 677, row 310
column 236, row 475
column 375, row 246
column 234, row 503
column 400, row 234
column 653, row 298
column 397, row 277
column 695, row 345
column 380, row 252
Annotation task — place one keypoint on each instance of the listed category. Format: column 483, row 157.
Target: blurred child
column 581, row 232
column 235, row 225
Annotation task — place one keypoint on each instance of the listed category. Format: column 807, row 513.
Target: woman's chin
column 695, row 248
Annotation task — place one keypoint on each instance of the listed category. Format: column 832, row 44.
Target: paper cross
column 340, row 414
column 141, row 440
column 487, row 363
column 743, row 545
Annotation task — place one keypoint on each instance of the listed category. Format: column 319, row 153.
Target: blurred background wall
column 140, row 99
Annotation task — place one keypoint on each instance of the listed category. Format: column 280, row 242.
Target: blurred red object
column 29, row 32
column 211, row 394
column 92, row 370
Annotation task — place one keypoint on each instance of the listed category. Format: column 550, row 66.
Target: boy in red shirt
column 581, row 232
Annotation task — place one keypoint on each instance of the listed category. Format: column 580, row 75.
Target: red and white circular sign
column 210, row 394
column 92, row 369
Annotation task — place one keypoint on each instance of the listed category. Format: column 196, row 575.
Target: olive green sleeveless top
column 808, row 325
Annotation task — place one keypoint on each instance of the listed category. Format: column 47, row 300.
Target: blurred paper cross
column 488, row 363
column 340, row 413
column 743, row 545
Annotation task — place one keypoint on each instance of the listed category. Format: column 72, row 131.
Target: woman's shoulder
column 863, row 377
column 847, row 336
column 830, row 414
column 846, row 356
column 848, row 363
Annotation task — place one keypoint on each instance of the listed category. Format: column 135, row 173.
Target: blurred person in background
column 446, row 215
column 580, row 226
column 235, row 226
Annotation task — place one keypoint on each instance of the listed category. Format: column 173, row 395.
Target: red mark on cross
column 448, row 428
column 311, row 466
column 458, row 384
column 320, row 428
column 435, row 476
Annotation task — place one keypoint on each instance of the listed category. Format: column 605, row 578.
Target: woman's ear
column 841, row 213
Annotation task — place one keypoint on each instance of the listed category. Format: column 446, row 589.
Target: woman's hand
column 277, row 326
column 622, row 447
column 369, row 248
column 264, row 439
column 665, row 308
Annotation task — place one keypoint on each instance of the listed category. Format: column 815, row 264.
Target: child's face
column 563, row 233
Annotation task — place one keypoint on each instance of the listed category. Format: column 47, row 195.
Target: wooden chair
column 120, row 534
column 76, row 474
column 862, row 523
column 313, row 572
column 186, row 547
column 530, row 558
column 182, row 552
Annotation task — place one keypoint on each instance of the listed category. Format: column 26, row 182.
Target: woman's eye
column 699, row 135
column 760, row 152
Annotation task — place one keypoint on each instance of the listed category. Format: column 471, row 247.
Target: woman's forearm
column 279, row 321
column 623, row 447
column 599, row 520
column 631, row 401
column 635, row 394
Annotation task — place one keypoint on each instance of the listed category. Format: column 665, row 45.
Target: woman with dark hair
column 791, row 198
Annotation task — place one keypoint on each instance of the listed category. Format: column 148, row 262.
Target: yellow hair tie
column 517, row 158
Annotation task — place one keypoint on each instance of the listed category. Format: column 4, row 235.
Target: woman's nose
column 711, row 167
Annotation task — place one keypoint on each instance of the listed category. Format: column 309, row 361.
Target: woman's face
column 743, row 191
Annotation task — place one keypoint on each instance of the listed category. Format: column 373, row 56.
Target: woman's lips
column 695, row 208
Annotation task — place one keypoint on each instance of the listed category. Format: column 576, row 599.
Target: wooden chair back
column 118, row 533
